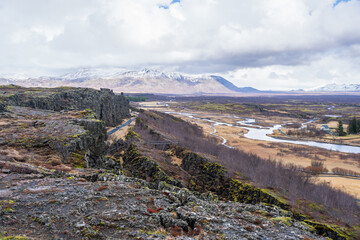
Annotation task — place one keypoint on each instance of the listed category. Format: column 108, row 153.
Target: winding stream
column 256, row 132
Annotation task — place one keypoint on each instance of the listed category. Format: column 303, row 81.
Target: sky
column 277, row 44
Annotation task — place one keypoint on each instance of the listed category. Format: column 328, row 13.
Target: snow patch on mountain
column 333, row 87
column 93, row 73
column 109, row 73
column 125, row 80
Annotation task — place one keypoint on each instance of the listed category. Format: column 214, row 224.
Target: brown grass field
column 121, row 132
column 287, row 153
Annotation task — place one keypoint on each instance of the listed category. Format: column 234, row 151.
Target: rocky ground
column 117, row 207
column 54, row 140
column 53, row 182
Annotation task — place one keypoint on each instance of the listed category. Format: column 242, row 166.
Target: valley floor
column 287, row 153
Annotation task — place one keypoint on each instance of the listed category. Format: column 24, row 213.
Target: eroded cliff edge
column 106, row 105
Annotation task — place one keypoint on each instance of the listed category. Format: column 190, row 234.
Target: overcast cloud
column 277, row 44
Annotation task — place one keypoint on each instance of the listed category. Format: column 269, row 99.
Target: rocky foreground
column 108, row 206
column 61, row 179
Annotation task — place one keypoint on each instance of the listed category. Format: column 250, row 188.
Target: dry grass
column 348, row 184
column 120, row 134
column 334, row 160
column 283, row 152
column 259, row 171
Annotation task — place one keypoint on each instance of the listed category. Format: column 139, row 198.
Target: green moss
column 90, row 233
column 276, row 199
column 214, row 168
column 13, row 238
column 142, row 167
column 6, row 206
column 114, row 159
column 78, row 160
column 131, row 135
column 299, row 216
column 285, row 220
column 329, row 230
column 192, row 184
column 237, row 191
column 154, row 232
column 211, row 176
column 316, row 207
column 311, row 228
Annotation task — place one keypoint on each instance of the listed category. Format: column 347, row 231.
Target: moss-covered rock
column 206, row 175
column 328, row 230
column 142, row 167
column 2, row 106
column 131, row 135
column 13, row 238
column 106, row 105
column 211, row 176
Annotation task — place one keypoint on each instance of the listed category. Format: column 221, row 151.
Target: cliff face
column 2, row 107
column 107, row 106
column 58, row 141
column 90, row 146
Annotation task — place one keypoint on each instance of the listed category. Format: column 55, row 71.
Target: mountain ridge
column 334, row 87
column 133, row 81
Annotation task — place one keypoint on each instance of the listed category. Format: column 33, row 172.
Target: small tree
column 340, row 129
column 353, row 128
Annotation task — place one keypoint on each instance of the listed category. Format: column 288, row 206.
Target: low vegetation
column 316, row 167
column 263, row 172
column 325, row 107
column 345, row 172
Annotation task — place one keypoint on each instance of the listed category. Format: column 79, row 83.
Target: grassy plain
column 287, row 153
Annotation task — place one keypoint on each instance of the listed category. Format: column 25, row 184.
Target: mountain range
column 333, row 87
column 143, row 81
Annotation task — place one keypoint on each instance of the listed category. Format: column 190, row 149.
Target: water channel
column 256, row 132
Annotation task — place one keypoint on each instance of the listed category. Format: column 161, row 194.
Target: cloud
column 193, row 36
column 332, row 68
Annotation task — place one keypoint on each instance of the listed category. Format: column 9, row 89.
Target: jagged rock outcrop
column 107, row 106
column 142, row 167
column 69, row 207
column 74, row 138
column 2, row 107
column 211, row 176
column 91, row 145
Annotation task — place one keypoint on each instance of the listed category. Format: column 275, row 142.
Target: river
column 256, row 132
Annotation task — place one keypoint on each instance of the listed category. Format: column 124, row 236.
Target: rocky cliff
column 107, row 106
column 59, row 141
column 117, row 207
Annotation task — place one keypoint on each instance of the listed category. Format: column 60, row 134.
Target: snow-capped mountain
column 92, row 73
column 132, row 81
column 107, row 73
column 333, row 87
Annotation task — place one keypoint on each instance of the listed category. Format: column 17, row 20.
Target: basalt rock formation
column 107, row 106
column 53, row 139
column 60, row 127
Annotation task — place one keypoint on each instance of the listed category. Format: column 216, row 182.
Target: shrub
column 343, row 171
column 265, row 173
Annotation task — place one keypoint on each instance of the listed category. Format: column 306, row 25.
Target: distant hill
column 143, row 81
column 333, row 87
column 232, row 87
